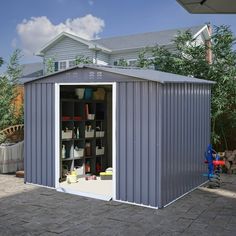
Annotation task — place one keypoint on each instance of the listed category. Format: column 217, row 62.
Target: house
column 61, row 52
column 150, row 128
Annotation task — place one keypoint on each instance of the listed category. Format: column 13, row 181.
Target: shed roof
column 145, row 74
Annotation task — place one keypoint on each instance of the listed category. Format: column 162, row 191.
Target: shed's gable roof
column 143, row 74
column 128, row 42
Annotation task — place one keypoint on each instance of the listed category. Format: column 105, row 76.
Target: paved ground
column 29, row 210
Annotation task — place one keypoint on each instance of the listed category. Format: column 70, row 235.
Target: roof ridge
column 135, row 34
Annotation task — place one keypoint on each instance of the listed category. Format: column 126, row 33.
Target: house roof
column 89, row 43
column 32, row 69
column 145, row 74
column 209, row 6
column 146, row 39
column 128, row 42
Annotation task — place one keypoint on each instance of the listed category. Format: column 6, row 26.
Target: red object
column 87, row 167
column 86, row 111
column 98, row 167
column 77, row 118
column 92, row 177
column 65, row 118
column 218, row 163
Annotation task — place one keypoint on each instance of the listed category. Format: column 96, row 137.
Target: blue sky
column 98, row 18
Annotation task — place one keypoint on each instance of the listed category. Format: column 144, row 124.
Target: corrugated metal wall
column 185, row 134
column 138, row 144
column 39, row 134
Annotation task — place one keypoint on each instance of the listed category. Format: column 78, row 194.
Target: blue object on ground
column 209, row 159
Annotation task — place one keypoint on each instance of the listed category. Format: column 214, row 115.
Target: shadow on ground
column 29, row 210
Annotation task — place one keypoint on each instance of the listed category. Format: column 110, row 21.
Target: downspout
column 208, row 46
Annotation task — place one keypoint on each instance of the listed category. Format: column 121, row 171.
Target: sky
column 29, row 24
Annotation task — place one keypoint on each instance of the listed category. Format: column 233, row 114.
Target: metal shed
column 161, row 128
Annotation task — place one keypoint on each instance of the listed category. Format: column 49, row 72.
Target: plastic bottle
column 63, row 152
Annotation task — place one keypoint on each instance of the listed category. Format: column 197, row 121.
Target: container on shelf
column 79, row 170
column 88, row 93
column 87, row 167
column 106, row 175
column 66, row 118
column 71, row 179
column 63, row 152
column 100, row 134
column 78, row 118
column 89, row 134
column 99, row 94
column 100, row 150
column 66, row 134
column 78, row 152
column 88, row 149
column 91, row 116
column 80, row 93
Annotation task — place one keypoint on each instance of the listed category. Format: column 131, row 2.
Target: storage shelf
column 82, row 100
column 72, row 158
column 73, row 108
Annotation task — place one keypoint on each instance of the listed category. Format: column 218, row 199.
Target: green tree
column 121, row 62
column 189, row 58
column 8, row 92
column 143, row 61
column 50, row 66
column 81, row 59
column 1, row 61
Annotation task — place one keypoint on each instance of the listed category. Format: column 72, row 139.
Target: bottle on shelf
column 88, row 149
column 98, row 167
column 87, row 167
column 71, row 151
column 63, row 152
column 77, row 132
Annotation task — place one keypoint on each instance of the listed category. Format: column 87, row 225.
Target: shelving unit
column 88, row 136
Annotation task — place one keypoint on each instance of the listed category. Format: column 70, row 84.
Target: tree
column 50, row 66
column 189, row 58
column 143, row 61
column 8, row 92
column 81, row 59
column 122, row 62
column 1, row 61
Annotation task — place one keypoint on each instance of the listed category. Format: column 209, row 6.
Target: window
column 132, row 62
column 62, row 65
column 71, row 63
column 56, row 66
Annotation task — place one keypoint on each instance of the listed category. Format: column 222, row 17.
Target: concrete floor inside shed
column 99, row 189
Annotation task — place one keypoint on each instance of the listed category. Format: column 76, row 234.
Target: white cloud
column 37, row 31
column 91, row 2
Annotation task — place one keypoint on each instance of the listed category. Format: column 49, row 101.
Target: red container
column 65, row 118
column 218, row 163
column 78, row 118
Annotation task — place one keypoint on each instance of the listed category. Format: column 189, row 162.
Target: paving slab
column 32, row 210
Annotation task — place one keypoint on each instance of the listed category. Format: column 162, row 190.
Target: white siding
column 68, row 49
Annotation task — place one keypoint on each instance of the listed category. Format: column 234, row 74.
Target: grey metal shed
column 161, row 130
